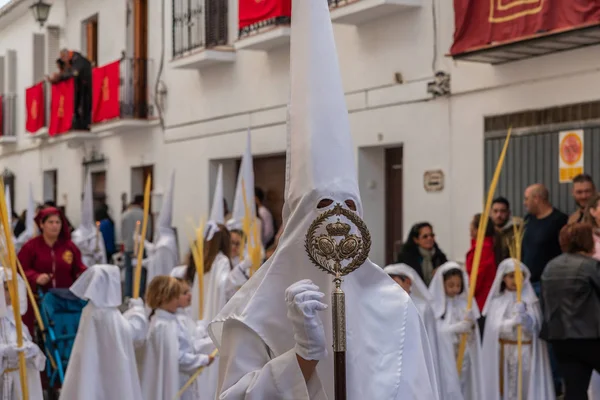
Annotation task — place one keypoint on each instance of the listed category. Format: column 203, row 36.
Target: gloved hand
column 135, row 303
column 246, row 264
column 519, row 308
column 303, row 300
column 148, row 246
column 461, row 327
column 470, row 316
column 526, row 321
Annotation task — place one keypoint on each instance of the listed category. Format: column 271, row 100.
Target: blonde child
column 500, row 352
column 10, row 386
column 449, row 291
column 169, row 359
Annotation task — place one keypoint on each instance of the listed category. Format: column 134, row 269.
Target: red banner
column 105, row 92
column 490, row 22
column 253, row 11
column 1, row 116
column 62, row 107
column 36, row 108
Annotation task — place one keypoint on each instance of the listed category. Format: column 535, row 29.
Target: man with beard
column 503, row 223
column 583, row 190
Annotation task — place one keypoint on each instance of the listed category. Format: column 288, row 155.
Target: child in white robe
column 103, row 364
column 411, row 282
column 449, row 290
column 500, row 352
column 10, row 383
column 169, row 359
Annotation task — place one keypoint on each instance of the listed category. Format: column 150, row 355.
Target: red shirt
column 62, row 261
column 487, row 269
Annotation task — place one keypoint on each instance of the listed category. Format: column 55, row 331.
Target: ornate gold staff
column 328, row 253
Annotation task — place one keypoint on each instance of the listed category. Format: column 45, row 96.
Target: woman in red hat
column 50, row 260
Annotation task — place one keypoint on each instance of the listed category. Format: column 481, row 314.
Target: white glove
column 303, row 300
column 135, row 303
column 519, row 308
column 525, row 321
column 246, row 264
column 470, row 316
column 148, row 246
column 461, row 327
column 201, row 330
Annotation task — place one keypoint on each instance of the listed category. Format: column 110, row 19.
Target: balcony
column 136, row 100
column 8, row 108
column 357, row 12
column 265, row 35
column 200, row 37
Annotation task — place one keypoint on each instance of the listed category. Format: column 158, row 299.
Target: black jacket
column 571, row 298
column 413, row 259
column 80, row 68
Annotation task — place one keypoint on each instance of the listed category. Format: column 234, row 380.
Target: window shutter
column 11, row 56
column 2, row 73
column 39, row 57
column 53, row 49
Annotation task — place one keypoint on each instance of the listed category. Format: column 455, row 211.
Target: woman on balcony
column 50, row 260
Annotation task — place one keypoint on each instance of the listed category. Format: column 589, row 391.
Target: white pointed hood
column 245, row 175
column 100, row 284
column 217, row 211
column 5, row 275
column 30, row 218
column 384, row 330
column 507, row 266
column 418, row 287
column 165, row 217
column 87, row 225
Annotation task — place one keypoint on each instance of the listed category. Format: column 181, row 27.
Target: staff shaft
column 339, row 342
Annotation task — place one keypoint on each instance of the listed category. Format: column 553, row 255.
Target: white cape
column 10, row 382
column 537, row 379
column 215, row 282
column 449, row 311
column 102, row 364
column 159, row 367
column 91, row 245
column 164, row 257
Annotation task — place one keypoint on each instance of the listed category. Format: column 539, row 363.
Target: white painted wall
column 208, row 111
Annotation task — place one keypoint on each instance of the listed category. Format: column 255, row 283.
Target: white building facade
column 421, row 153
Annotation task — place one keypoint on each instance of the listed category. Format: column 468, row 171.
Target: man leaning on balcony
column 79, row 68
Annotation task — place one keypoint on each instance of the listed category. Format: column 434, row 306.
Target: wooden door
column 140, row 59
column 92, row 40
column 269, row 175
column 98, row 188
column 393, row 203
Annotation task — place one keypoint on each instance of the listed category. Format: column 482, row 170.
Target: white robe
column 168, row 359
column 164, row 257
column 430, row 323
column 91, row 245
column 215, row 298
column 102, row 364
column 537, row 376
column 10, row 382
column 594, row 393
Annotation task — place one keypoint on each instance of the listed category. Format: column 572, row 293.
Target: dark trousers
column 577, row 359
column 129, row 276
column 556, row 375
column 83, row 105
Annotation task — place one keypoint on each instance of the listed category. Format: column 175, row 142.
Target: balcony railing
column 135, row 88
column 9, row 116
column 262, row 25
column 340, row 3
column 198, row 24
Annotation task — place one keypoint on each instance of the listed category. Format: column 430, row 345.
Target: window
column 53, row 49
column 195, row 27
column 2, row 72
column 89, row 43
column 50, row 185
column 39, row 57
column 99, row 188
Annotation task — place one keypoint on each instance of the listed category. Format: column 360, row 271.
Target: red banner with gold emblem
column 62, row 107
column 253, row 11
column 490, row 22
column 105, row 92
column 36, row 108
